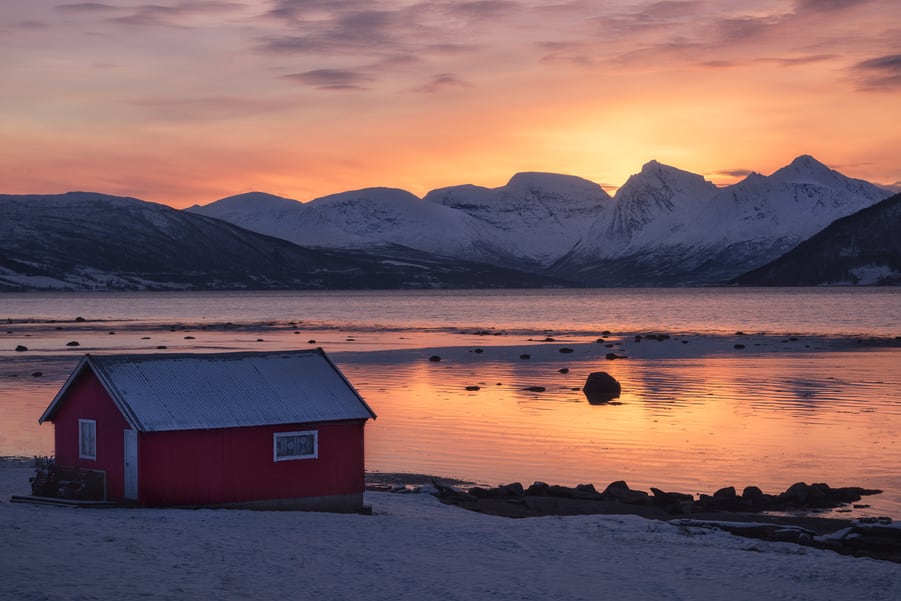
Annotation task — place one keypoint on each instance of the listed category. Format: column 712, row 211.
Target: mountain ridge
column 671, row 226
column 663, row 227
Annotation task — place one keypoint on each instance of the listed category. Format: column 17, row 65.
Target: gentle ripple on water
column 773, row 415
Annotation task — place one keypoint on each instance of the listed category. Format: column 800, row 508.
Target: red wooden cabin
column 268, row 430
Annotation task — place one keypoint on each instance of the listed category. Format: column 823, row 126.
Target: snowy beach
column 412, row 547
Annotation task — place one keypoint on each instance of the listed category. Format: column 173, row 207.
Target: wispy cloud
column 819, row 6
column 880, row 73
column 340, row 33
column 794, row 61
column 442, row 82
column 86, row 7
column 483, row 9
column 154, row 15
column 734, row 173
column 331, row 79
column 28, row 25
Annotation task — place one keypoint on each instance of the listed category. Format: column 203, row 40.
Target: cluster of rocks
column 743, row 515
column 799, row 496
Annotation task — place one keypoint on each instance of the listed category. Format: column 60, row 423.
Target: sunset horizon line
column 720, row 178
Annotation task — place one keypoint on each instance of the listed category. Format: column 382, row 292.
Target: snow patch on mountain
column 537, row 217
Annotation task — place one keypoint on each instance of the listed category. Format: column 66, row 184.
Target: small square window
column 87, row 439
column 295, row 445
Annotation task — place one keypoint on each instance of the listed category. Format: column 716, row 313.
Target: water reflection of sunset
column 681, row 424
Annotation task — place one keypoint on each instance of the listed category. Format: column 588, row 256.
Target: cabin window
column 87, row 439
column 295, row 445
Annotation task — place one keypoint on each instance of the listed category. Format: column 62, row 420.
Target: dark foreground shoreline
column 877, row 538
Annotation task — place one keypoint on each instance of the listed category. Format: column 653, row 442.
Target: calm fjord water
column 806, row 401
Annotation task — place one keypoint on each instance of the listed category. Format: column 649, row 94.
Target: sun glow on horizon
column 185, row 103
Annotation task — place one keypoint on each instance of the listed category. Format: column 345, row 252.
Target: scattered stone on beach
column 563, row 370
column 478, row 351
column 145, row 337
column 739, row 346
column 111, row 333
column 189, row 338
column 548, row 339
column 473, row 388
column 80, row 318
column 657, row 337
column 21, row 348
column 73, row 343
column 601, row 387
column 612, row 356
column 740, row 333
column 434, row 358
column 161, row 347
column 37, row 374
column 535, row 388
column 525, row 356
column 565, row 350
column 311, row 341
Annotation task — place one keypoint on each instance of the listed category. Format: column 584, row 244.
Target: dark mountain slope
column 93, row 241
column 863, row 248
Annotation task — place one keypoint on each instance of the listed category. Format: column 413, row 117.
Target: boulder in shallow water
column 601, row 387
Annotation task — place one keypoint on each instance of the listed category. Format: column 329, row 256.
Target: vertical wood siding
column 197, row 467
column 87, row 399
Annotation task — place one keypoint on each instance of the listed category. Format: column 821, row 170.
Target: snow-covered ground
column 412, row 547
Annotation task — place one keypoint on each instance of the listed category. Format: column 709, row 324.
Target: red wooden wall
column 196, row 467
column 87, row 399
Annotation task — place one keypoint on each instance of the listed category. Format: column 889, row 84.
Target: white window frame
column 89, row 450
column 279, row 435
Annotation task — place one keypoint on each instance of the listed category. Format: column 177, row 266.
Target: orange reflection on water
column 681, row 424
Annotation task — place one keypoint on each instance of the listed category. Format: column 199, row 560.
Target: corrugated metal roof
column 206, row 391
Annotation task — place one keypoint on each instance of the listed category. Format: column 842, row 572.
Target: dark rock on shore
column 601, row 387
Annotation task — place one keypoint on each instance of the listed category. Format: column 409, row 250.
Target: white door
column 131, row 464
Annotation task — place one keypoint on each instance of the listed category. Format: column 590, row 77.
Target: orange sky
column 188, row 101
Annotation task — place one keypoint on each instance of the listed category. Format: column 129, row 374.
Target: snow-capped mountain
column 863, row 248
column 659, row 202
column 534, row 219
column 84, row 240
column 664, row 226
